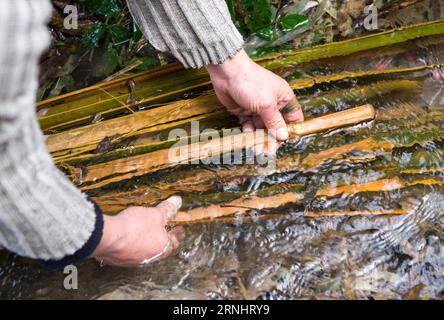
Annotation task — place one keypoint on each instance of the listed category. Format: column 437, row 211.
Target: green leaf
column 259, row 14
column 92, row 38
column 119, row 34
column 103, row 7
column 266, row 33
column 148, row 63
column 136, row 32
column 293, row 21
column 106, row 64
column 62, row 82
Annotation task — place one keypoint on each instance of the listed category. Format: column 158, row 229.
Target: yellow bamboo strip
column 334, row 120
column 139, row 165
column 356, row 213
column 375, row 186
column 93, row 134
column 314, row 160
column 298, row 84
column 237, row 207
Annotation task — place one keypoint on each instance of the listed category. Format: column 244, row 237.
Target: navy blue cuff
column 86, row 250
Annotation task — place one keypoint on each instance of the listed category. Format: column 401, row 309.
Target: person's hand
column 137, row 235
column 258, row 97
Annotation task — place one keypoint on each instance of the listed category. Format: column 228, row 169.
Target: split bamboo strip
column 369, row 149
column 311, row 82
column 356, row 213
column 238, row 206
column 350, row 46
column 244, row 205
column 161, row 159
column 375, row 186
column 203, row 180
column 81, row 136
column 370, row 145
column 195, row 180
column 331, row 121
column 152, row 118
column 81, row 106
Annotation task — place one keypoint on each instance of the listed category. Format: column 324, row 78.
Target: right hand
column 258, row 97
column 138, row 233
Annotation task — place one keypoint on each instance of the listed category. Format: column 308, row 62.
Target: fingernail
column 176, row 201
column 282, row 134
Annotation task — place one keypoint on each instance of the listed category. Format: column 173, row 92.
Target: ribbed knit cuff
column 196, row 32
column 86, row 250
column 218, row 53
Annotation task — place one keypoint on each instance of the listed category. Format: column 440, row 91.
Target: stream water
column 286, row 255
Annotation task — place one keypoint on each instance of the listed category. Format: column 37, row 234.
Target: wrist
column 232, row 67
column 109, row 238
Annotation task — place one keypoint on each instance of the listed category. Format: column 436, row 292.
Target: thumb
column 275, row 123
column 170, row 206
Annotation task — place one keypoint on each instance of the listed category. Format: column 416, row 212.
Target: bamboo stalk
column 153, row 118
column 350, row 46
column 80, row 107
column 161, row 159
column 331, row 121
column 369, row 149
column 375, row 186
column 188, row 182
column 238, row 207
column 298, row 84
column 355, row 213
column 88, row 137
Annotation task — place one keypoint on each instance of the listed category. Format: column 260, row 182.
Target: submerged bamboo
column 138, row 165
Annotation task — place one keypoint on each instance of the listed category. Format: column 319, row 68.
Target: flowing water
column 310, row 250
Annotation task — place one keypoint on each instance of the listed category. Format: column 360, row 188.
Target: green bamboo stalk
column 80, row 107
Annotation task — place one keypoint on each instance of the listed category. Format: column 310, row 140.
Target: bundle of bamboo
column 124, row 159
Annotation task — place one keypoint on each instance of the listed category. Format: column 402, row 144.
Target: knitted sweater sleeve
column 42, row 215
column 196, row 32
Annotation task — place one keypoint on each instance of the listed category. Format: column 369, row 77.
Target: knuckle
column 275, row 122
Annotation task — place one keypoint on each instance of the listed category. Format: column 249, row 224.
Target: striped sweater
column 42, row 215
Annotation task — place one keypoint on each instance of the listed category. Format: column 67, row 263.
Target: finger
column 292, row 111
column 170, row 206
column 258, row 123
column 174, row 242
column 178, row 232
column 271, row 147
column 275, row 123
column 247, row 124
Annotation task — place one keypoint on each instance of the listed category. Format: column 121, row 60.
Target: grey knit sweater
column 42, row 215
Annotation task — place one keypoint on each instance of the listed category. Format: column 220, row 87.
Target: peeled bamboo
column 73, row 145
column 138, row 165
column 331, row 121
column 355, row 213
column 238, row 206
column 245, row 204
column 376, row 186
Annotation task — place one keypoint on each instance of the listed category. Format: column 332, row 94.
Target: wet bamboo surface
column 367, row 133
